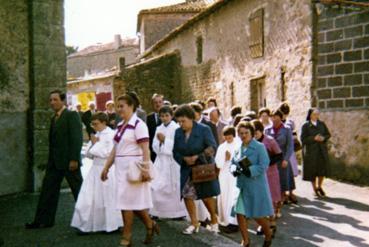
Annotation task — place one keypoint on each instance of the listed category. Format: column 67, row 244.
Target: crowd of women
column 216, row 172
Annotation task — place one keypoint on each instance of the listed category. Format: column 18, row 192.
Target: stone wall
column 342, row 86
column 160, row 75
column 101, row 61
column 32, row 64
column 156, row 26
column 14, row 96
column 228, row 68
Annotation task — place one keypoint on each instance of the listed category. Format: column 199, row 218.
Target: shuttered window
column 257, row 34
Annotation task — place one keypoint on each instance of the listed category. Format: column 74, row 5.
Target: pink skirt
column 274, row 184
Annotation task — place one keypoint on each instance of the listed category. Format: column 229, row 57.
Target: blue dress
column 200, row 138
column 254, row 200
column 285, row 141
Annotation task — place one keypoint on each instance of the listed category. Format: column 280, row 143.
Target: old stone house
column 260, row 52
column 93, row 70
column 154, row 24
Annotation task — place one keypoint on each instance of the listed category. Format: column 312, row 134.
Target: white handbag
column 134, row 174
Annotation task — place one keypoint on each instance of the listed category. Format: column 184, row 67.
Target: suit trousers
column 49, row 197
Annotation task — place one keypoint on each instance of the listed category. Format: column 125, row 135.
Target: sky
column 88, row 22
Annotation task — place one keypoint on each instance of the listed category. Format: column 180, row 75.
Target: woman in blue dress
column 254, row 200
column 194, row 142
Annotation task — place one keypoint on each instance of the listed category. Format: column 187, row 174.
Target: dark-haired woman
column 314, row 137
column 194, row 144
column 254, row 200
column 283, row 136
column 131, row 148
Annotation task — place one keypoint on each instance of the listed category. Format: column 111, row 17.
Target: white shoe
column 214, row 228
column 191, row 229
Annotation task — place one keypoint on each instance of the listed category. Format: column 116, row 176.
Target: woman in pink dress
column 131, row 148
column 275, row 156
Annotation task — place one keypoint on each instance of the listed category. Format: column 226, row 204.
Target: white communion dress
column 166, row 186
column 95, row 208
column 228, row 189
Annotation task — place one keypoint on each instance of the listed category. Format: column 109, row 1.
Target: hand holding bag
column 204, row 171
column 135, row 170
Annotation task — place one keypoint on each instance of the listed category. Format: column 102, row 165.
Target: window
column 199, row 44
column 257, row 94
column 256, row 45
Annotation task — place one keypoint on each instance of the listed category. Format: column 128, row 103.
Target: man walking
column 65, row 144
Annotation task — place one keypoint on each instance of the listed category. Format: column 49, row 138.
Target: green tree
column 71, row 49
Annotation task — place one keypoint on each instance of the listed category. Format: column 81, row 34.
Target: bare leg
column 128, row 222
column 320, row 182
column 191, row 209
column 145, row 218
column 210, row 204
column 264, row 223
column 242, row 223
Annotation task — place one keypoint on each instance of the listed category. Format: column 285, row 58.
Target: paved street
column 340, row 220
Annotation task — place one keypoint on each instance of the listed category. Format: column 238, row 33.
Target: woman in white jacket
column 166, row 185
column 95, row 208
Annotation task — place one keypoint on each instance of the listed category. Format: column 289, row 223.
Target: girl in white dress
column 166, row 186
column 131, row 148
column 95, row 208
column 228, row 189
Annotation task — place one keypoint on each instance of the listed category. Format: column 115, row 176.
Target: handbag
column 134, row 174
column 205, row 169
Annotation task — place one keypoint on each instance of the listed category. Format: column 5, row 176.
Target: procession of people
column 179, row 162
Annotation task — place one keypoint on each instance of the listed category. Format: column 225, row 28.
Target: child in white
column 95, row 208
column 228, row 189
column 166, row 185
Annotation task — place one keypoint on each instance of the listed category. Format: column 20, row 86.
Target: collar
column 58, row 113
column 132, row 121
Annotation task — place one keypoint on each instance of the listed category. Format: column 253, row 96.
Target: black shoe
column 317, row 194
column 81, row 233
column 35, row 225
column 293, row 199
column 321, row 192
column 274, row 230
column 229, row 228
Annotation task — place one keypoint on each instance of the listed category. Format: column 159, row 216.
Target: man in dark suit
column 65, row 144
column 199, row 118
column 86, row 118
column 153, row 120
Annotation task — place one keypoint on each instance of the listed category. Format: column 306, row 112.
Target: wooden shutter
column 257, row 34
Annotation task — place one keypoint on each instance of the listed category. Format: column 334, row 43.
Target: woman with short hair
column 250, row 164
column 194, row 144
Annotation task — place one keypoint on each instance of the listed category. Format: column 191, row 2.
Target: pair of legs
column 263, row 222
column 128, row 215
column 317, row 183
column 210, row 205
column 49, row 197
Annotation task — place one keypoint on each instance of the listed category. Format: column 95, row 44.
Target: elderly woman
column 131, row 148
column 254, row 200
column 194, row 144
column 314, row 137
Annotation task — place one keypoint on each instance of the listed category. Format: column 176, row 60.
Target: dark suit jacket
column 213, row 129
column 152, row 125
column 86, row 119
column 65, row 139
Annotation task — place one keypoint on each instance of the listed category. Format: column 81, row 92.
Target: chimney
column 117, row 41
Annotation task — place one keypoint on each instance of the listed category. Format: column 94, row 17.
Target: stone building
column 32, row 64
column 93, row 70
column 341, row 84
column 260, row 52
column 154, row 24
column 99, row 58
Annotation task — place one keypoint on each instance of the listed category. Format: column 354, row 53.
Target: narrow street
column 339, row 220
